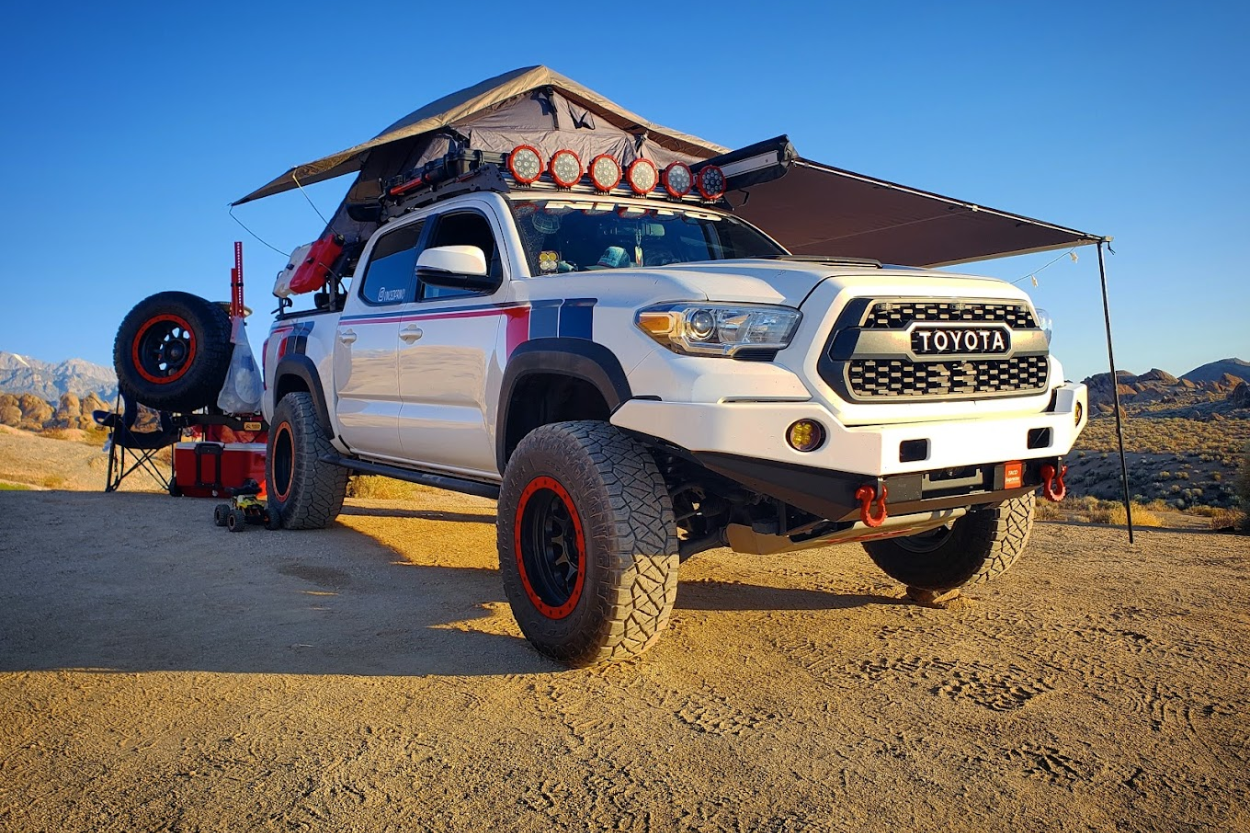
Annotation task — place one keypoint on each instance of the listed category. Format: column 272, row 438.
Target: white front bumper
column 758, row 429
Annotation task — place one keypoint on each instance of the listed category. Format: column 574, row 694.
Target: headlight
column 1045, row 323
column 719, row 329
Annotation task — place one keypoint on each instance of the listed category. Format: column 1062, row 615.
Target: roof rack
column 465, row 171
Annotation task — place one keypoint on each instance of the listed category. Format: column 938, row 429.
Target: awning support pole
column 1115, row 392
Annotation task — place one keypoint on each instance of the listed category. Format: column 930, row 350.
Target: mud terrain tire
column 976, row 548
column 172, row 352
column 587, row 543
column 304, row 492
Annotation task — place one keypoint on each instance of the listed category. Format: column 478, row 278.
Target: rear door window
column 391, row 274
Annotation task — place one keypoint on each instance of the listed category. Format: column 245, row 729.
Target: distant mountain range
column 1215, row 371
column 22, row 374
column 1220, row 385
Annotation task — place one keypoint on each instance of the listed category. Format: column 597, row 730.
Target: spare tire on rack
column 172, row 352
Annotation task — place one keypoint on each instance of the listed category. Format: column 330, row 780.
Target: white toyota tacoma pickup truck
column 638, row 376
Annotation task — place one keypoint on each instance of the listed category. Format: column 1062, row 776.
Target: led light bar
column 605, row 172
column 565, row 168
column 526, row 164
column 678, row 180
column 642, row 176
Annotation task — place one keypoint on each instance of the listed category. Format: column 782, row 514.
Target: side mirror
column 456, row 267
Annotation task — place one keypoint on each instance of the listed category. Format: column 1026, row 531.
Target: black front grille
column 904, row 379
column 897, row 315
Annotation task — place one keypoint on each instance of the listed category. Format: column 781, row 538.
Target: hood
column 789, row 283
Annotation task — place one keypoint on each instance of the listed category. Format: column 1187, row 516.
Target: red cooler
column 209, row 469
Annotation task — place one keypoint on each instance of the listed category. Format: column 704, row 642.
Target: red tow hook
column 866, row 495
column 1053, row 487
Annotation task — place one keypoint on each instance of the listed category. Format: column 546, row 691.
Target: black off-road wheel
column 587, row 543
column 304, row 492
column 172, row 352
column 236, row 520
column 220, row 512
column 980, row 546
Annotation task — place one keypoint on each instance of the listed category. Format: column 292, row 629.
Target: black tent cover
column 811, row 209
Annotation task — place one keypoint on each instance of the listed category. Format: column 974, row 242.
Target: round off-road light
column 605, row 172
column 642, row 176
column 526, row 164
column 711, row 182
column 678, row 180
column 565, row 168
column 805, row 435
column 1077, row 413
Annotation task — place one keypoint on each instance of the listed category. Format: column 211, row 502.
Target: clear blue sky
column 128, row 127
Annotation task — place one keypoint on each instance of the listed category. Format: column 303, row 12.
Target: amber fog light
column 805, row 435
column 1078, row 412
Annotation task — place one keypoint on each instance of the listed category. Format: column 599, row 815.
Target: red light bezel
column 551, row 168
column 698, row 183
column 669, row 188
column 599, row 185
column 629, row 175
column 512, row 168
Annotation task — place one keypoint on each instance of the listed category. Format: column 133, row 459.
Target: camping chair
column 141, row 445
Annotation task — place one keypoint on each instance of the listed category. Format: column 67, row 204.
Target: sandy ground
column 159, row 673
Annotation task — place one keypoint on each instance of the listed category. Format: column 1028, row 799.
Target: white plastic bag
column 240, row 394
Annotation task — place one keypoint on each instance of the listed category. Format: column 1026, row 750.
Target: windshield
column 578, row 236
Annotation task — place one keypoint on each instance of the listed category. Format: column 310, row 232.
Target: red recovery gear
column 1053, row 486
column 312, row 274
column 865, row 495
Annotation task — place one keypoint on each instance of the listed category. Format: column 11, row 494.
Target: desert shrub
column 1243, row 488
column 380, row 488
column 1050, row 511
column 13, row 487
column 1182, row 475
column 54, row 481
column 1164, row 475
column 1217, row 476
column 1228, row 519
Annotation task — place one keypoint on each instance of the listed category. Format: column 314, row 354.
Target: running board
column 438, row 481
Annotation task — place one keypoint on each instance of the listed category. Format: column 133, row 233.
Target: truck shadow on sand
column 144, row 583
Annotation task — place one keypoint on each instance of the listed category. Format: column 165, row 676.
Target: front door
column 447, row 345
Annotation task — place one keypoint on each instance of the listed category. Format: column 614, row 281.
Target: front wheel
column 304, row 491
column 587, row 543
column 976, row 548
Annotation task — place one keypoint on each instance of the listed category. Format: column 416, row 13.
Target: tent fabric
column 815, row 209
column 812, row 209
column 545, row 118
column 485, row 97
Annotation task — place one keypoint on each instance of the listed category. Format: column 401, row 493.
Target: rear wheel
column 236, row 521
column 976, row 548
column 587, row 543
column 220, row 512
column 304, row 491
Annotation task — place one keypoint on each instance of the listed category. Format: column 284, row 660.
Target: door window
column 464, row 228
column 391, row 276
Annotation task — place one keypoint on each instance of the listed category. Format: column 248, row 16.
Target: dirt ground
column 159, row 673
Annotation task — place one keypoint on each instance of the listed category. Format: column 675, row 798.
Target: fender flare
column 577, row 358
column 303, row 368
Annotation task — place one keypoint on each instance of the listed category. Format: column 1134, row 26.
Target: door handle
column 410, row 333
column 347, row 336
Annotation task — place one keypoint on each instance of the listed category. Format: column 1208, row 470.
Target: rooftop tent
column 810, row 209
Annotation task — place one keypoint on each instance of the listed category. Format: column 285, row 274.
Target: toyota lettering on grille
column 960, row 341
